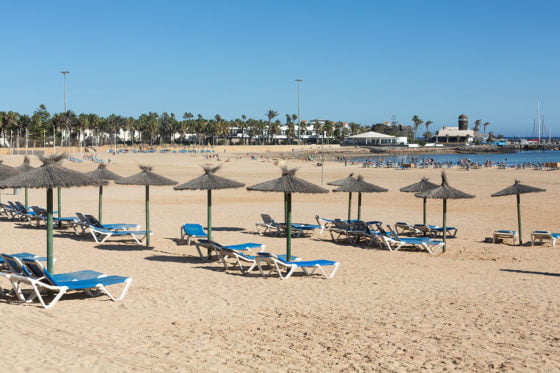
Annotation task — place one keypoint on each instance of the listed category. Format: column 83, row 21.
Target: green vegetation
column 70, row 129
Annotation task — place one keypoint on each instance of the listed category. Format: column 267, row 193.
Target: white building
column 372, row 138
column 454, row 135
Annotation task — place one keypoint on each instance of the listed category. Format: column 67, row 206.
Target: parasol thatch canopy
column 146, row 177
column 339, row 182
column 50, row 175
column 101, row 173
column 7, row 171
column 25, row 166
column 422, row 186
column 288, row 183
column 516, row 189
column 445, row 192
column 357, row 185
column 209, row 181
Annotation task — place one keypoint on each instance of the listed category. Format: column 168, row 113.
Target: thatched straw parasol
column 338, row 183
column 517, row 188
column 209, row 181
column 146, row 177
column 24, row 167
column 50, row 175
column 288, row 183
column 6, row 172
column 102, row 174
column 445, row 192
column 358, row 185
column 422, row 186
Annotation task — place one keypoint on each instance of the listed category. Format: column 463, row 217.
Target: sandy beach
column 478, row 307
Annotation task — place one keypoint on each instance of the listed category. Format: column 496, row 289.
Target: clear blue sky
column 361, row 61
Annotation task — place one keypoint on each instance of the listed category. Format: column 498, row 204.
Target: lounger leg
column 106, row 237
column 54, row 301
column 260, row 268
column 94, row 236
column 200, row 253
column 128, row 282
column 289, row 274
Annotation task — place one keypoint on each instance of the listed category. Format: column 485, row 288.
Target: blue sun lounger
column 40, row 279
column 100, row 235
column 503, row 234
column 278, row 264
column 192, row 231
column 542, row 236
column 24, row 255
column 211, row 245
column 243, row 256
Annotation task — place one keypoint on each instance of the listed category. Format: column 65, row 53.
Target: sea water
column 532, row 157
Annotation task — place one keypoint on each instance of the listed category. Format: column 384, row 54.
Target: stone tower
column 463, row 122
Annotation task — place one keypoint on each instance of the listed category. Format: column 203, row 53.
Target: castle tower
column 463, row 122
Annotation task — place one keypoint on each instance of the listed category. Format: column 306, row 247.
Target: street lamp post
column 299, row 120
column 65, row 113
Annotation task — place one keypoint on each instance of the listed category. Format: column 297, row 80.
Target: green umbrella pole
column 209, row 214
column 519, row 218
column 50, row 260
column 359, row 206
column 424, row 214
column 444, row 225
column 288, row 201
column 147, row 215
column 100, row 207
column 59, row 197
column 349, row 206
column 59, row 200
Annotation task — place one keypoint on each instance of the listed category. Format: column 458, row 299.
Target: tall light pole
column 65, row 111
column 299, row 120
column 65, row 73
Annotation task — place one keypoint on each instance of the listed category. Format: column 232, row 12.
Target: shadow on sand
column 531, row 272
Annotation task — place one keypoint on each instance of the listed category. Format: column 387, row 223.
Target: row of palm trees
column 70, row 129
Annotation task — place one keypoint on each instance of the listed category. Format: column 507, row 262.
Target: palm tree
column 271, row 114
column 427, row 135
column 427, row 124
column 477, row 124
column 486, row 125
column 417, row 122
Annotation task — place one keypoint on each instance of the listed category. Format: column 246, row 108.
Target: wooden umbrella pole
column 444, row 225
column 59, row 200
column 424, row 214
column 209, row 214
column 147, row 215
column 26, row 198
column 288, row 199
column 50, row 253
column 100, row 205
column 359, row 206
column 349, row 206
column 519, row 218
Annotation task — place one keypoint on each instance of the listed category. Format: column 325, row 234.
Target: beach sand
column 478, row 307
